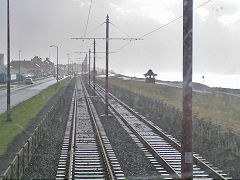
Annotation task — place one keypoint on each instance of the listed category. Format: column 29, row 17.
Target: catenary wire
column 95, row 28
column 119, row 29
column 89, row 11
column 172, row 21
column 85, row 31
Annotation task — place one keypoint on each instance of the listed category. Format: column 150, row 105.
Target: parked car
column 28, row 81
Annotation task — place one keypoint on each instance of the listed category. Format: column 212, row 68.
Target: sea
column 209, row 79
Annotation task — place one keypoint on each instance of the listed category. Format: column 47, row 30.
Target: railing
column 20, row 162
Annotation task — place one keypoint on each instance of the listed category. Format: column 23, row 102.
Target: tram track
column 86, row 151
column 161, row 149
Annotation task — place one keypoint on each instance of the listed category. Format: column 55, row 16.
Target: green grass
column 22, row 113
column 220, row 109
column 18, row 83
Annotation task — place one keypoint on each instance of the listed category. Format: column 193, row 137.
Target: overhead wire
column 85, row 31
column 95, row 28
column 170, row 22
column 89, row 11
column 119, row 29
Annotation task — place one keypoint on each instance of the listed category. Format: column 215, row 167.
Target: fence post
column 28, row 151
column 18, row 168
column 23, row 164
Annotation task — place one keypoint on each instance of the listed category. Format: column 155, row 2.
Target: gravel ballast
column 219, row 157
column 45, row 160
column 20, row 139
column 134, row 163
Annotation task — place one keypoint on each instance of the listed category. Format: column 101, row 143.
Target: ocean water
column 212, row 80
column 219, row 80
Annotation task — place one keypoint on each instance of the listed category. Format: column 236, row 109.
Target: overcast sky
column 37, row 24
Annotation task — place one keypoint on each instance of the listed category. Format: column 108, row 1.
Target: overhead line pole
column 8, row 63
column 106, row 83
column 89, row 70
column 85, row 67
column 94, row 67
column 107, row 53
column 187, row 125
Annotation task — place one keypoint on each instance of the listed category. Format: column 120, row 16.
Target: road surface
column 21, row 93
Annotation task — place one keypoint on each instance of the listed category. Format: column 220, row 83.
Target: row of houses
column 35, row 67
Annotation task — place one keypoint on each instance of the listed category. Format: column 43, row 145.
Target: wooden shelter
column 150, row 76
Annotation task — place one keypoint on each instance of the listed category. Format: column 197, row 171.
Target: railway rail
column 86, row 151
column 160, row 148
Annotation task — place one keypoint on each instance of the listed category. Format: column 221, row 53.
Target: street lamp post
column 68, row 63
column 57, row 59
column 19, row 65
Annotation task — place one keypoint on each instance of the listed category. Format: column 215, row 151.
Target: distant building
column 3, row 69
column 26, row 67
column 48, row 67
column 150, row 76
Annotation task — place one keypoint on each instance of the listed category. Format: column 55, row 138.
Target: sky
column 37, row 24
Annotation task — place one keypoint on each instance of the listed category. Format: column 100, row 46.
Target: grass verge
column 220, row 109
column 22, row 113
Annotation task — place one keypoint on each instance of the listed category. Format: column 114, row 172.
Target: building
column 150, row 76
column 3, row 69
column 25, row 67
column 48, row 67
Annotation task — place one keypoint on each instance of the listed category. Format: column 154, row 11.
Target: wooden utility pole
column 94, row 62
column 107, row 53
column 94, row 67
column 8, row 63
column 106, row 83
column 187, row 127
column 86, row 68
column 89, row 70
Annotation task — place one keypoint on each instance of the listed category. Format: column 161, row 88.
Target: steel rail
column 98, row 135
column 176, row 145
column 149, row 147
column 72, row 139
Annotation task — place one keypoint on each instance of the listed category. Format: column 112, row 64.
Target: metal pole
column 8, row 64
column 57, row 65
column 86, row 68
column 94, row 68
column 106, row 88
column 68, row 63
column 72, row 67
column 89, row 70
column 187, row 129
column 82, row 68
column 19, row 64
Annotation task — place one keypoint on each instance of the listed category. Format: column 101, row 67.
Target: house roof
column 150, row 73
column 23, row 64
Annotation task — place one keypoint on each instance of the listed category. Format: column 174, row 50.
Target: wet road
column 21, row 93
